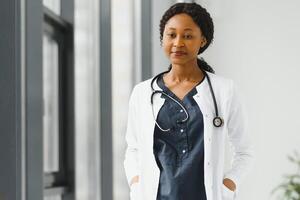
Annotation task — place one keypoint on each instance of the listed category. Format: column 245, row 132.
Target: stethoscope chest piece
column 218, row 121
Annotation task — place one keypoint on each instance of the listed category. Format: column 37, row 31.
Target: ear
column 203, row 42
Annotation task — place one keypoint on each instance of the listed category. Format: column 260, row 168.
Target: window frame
column 62, row 182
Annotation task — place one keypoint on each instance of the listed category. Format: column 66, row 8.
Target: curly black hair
column 201, row 17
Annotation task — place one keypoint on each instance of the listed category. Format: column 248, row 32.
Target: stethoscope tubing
column 217, row 121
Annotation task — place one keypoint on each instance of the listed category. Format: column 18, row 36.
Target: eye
column 188, row 36
column 172, row 35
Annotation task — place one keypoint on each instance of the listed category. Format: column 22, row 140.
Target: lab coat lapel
column 148, row 125
column 204, row 100
column 158, row 101
column 148, row 120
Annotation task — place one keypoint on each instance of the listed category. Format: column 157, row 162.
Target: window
column 57, row 107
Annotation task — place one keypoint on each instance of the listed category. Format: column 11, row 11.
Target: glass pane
column 87, row 100
column 123, row 48
column 57, row 197
column 54, row 5
column 51, row 104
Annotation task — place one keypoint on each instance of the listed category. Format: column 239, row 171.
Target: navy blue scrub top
column 179, row 153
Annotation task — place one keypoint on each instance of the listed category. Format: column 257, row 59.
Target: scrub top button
column 183, row 151
column 181, row 130
column 181, row 110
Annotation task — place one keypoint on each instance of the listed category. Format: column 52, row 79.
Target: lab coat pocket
column 135, row 191
column 227, row 194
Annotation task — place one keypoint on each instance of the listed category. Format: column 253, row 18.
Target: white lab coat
column 139, row 157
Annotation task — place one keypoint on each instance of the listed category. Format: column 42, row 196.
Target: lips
column 179, row 53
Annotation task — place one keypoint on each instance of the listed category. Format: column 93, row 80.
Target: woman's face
column 182, row 39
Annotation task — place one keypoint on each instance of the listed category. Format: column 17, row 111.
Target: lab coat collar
column 199, row 87
column 200, row 96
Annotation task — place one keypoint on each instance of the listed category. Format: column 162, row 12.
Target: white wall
column 257, row 44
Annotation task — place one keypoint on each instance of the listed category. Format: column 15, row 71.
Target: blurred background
column 67, row 69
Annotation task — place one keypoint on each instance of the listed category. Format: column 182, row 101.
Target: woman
column 178, row 120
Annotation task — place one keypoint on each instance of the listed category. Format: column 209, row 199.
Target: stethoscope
column 217, row 121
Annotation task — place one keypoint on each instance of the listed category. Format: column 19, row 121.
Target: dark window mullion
column 50, row 16
column 63, row 136
column 54, row 180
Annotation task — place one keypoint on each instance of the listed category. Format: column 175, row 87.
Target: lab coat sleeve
column 242, row 160
column 131, row 155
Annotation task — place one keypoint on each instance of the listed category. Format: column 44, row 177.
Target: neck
column 186, row 72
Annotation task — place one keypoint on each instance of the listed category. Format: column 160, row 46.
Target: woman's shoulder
column 220, row 81
column 142, row 85
column 219, row 78
column 222, row 85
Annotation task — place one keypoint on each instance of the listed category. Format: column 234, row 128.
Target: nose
column 178, row 42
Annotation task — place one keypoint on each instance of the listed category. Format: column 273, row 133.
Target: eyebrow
column 188, row 29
